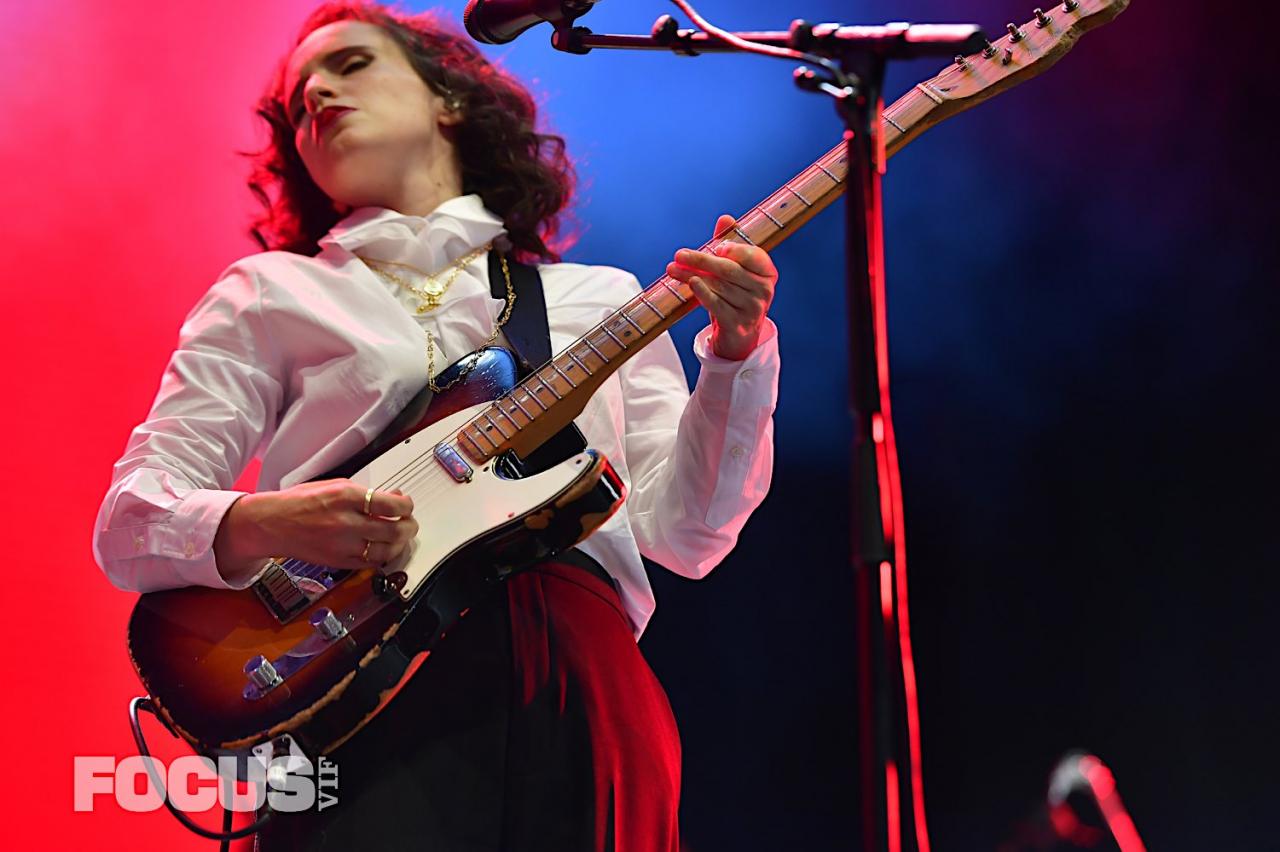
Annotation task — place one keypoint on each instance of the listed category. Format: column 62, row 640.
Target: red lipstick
column 327, row 116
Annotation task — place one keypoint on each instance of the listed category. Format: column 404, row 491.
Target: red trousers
column 535, row 724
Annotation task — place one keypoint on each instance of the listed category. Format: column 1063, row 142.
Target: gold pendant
column 432, row 291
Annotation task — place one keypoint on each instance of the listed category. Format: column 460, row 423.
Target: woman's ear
column 451, row 111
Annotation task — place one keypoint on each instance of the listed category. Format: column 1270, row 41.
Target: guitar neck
column 555, row 393
column 550, row 397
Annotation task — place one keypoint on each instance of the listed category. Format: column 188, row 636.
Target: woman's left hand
column 735, row 284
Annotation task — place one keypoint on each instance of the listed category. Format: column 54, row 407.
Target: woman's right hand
column 323, row 523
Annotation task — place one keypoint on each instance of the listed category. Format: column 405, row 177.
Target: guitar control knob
column 262, row 673
column 327, row 624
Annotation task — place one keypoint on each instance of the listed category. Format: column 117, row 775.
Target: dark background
column 1083, row 303
column 1082, row 310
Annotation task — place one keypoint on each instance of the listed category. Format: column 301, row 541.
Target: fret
column 895, row 124
column 562, row 374
column 485, row 435
column 665, row 283
column 826, row 172
column 651, row 306
column 547, row 385
column 930, row 93
column 745, row 238
column 803, row 200
column 495, row 425
column 577, row 361
column 593, row 348
column 533, row 396
column 498, row 404
column 613, row 336
column 768, row 215
column 467, row 435
column 631, row 322
column 523, row 410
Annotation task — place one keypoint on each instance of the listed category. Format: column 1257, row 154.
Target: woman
column 400, row 156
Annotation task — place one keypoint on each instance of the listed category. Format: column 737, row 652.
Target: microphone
column 1081, row 810
column 500, row 21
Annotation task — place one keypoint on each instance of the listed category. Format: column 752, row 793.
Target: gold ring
column 364, row 557
column 368, row 500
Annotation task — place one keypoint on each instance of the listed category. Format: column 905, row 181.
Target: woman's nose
column 315, row 92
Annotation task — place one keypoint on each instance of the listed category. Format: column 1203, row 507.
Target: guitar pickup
column 451, row 460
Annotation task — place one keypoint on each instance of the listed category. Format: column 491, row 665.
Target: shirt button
column 737, row 452
column 746, row 374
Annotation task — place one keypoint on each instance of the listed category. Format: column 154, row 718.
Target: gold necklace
column 493, row 337
column 475, row 358
column 432, row 292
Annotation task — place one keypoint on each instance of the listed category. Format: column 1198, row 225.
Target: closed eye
column 355, row 65
column 351, row 62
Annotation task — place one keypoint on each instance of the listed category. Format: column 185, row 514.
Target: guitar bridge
column 289, row 586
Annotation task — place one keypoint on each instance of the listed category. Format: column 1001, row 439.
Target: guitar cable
column 226, row 835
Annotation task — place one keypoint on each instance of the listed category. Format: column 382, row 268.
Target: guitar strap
column 527, row 330
column 529, row 334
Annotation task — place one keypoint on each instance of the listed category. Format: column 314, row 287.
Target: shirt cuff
column 192, row 531
column 718, row 376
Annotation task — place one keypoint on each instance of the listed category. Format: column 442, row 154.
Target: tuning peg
column 1008, row 56
column 1015, row 34
column 962, row 62
column 1042, row 20
column 1070, row 6
column 989, row 51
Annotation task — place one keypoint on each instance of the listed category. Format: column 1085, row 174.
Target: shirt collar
column 463, row 217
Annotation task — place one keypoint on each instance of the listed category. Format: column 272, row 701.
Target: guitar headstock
column 1024, row 52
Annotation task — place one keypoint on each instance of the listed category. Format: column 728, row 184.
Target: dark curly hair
column 521, row 175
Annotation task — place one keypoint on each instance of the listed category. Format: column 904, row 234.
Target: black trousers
column 534, row 725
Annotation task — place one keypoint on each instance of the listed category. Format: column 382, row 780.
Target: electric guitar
column 315, row 652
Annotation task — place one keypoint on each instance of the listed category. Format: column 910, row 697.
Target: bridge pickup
column 452, row 461
column 289, row 586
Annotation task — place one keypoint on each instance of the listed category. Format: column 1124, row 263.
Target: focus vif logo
column 288, row 783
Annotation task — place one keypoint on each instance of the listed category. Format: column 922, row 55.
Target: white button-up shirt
column 305, row 360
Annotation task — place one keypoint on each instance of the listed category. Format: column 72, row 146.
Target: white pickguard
column 451, row 514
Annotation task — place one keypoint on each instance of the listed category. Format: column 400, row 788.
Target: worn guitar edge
column 358, row 695
column 460, row 582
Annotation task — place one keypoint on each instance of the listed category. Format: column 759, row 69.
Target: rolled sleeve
column 694, row 486
column 173, row 551
column 218, row 398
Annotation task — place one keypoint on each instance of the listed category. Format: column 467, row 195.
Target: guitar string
column 421, row 465
column 410, row 478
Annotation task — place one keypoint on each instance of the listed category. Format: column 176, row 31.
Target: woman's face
column 366, row 125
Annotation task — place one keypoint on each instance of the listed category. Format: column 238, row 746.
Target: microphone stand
column 888, row 723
